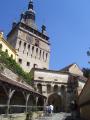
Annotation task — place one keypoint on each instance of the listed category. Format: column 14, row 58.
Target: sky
column 67, row 23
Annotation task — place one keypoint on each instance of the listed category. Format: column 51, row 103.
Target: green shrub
column 14, row 67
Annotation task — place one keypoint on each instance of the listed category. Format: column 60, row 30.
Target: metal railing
column 19, row 109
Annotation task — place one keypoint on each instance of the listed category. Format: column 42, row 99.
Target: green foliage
column 14, row 67
column 86, row 72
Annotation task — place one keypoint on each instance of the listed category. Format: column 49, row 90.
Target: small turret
column 44, row 30
column 13, row 24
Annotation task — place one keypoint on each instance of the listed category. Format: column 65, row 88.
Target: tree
column 86, row 72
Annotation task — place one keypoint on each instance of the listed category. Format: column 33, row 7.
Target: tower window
column 20, row 61
column 32, row 49
column 46, row 56
column 37, row 42
column 19, row 43
column 43, row 54
column 36, row 51
column 24, row 45
column 28, row 47
column 28, row 63
column 40, row 54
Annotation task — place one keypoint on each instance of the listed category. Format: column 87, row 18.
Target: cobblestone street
column 56, row 116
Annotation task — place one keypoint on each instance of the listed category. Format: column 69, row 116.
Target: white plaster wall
column 81, row 85
column 75, row 70
column 53, row 77
column 6, row 47
column 33, row 58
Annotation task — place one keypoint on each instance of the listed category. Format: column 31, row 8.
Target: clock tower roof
column 28, row 17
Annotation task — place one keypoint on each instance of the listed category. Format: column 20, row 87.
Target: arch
column 3, row 100
column 40, row 103
column 48, row 88
column 18, row 100
column 63, row 88
column 39, row 88
column 56, row 100
column 55, row 89
column 31, row 102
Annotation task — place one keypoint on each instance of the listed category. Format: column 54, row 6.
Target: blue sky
column 67, row 22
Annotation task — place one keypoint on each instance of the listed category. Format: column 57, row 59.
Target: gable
column 75, row 70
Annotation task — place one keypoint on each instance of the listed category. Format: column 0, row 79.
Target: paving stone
column 57, row 116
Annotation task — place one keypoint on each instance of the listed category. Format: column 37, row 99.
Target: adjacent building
column 84, row 101
column 60, row 87
column 6, row 47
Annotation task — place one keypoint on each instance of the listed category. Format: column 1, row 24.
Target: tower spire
column 28, row 17
column 30, row 6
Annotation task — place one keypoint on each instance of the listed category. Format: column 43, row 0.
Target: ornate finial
column 30, row 6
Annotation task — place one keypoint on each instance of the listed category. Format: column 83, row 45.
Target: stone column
column 10, row 94
column 44, row 89
column 27, row 98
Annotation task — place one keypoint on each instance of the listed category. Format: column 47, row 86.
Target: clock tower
column 32, row 45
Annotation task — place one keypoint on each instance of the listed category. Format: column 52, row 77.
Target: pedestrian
column 51, row 108
column 74, row 110
column 46, row 109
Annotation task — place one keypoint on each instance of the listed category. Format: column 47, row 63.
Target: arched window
column 39, row 87
column 20, row 43
column 36, row 51
column 55, row 88
column 32, row 49
column 63, row 88
column 28, row 47
column 48, row 88
column 46, row 56
column 40, row 54
column 24, row 45
column 43, row 55
column 37, row 42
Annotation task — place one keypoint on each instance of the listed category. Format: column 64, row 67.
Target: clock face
column 29, row 39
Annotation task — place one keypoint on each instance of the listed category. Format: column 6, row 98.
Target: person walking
column 51, row 108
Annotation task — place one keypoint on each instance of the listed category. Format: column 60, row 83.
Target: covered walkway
column 17, row 97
